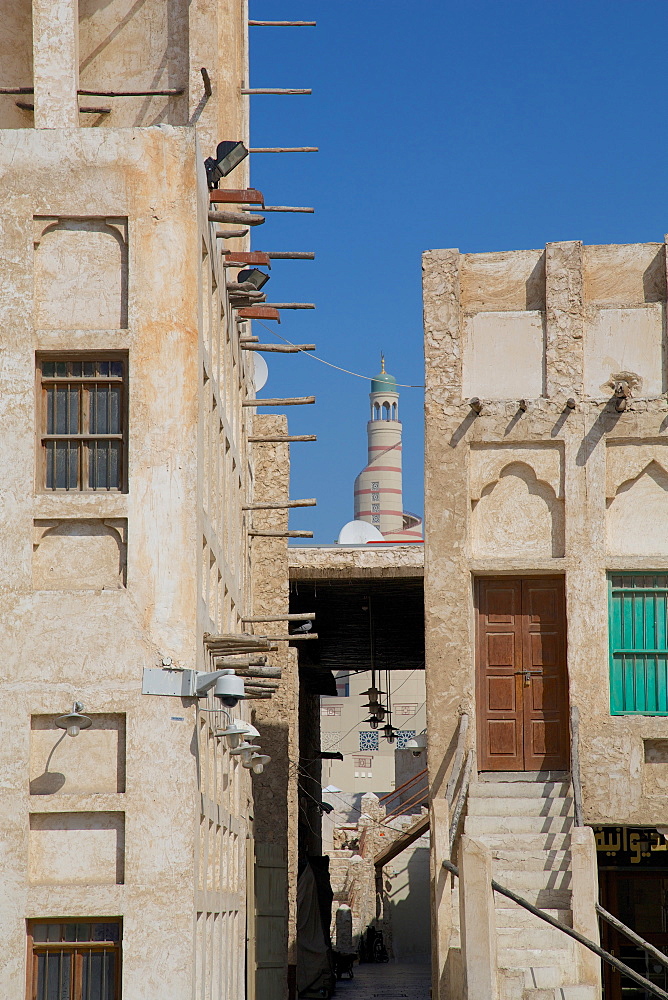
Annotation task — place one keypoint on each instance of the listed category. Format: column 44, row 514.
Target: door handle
column 527, row 675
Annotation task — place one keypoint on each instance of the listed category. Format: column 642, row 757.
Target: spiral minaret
column 378, row 488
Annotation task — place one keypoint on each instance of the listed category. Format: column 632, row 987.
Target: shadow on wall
column 408, row 897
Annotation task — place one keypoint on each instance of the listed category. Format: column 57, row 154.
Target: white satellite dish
column 359, row 533
column 260, row 372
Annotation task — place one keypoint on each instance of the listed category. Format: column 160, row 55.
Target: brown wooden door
column 522, row 692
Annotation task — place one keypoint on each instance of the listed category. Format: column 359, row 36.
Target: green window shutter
column 638, row 606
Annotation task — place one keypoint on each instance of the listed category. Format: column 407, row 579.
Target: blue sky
column 479, row 125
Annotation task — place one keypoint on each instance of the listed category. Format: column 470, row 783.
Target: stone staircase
column 526, row 825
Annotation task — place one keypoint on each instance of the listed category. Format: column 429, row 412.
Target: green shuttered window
column 638, row 605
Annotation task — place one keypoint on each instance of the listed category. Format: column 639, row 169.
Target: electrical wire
column 314, row 357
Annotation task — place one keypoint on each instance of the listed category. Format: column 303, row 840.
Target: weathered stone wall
column 553, row 490
column 96, row 586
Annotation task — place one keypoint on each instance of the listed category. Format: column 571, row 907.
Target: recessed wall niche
column 93, row 762
column 77, row 848
column 80, row 274
column 637, row 498
column 79, row 554
column 517, row 506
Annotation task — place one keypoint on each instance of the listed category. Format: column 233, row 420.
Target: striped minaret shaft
column 378, row 488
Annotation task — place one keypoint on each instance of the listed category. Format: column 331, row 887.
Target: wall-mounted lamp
column 229, row 155
column 233, row 734
column 417, row 745
column 253, row 276
column 74, row 721
column 256, row 762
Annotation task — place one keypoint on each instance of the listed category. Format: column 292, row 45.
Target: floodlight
column 74, row 721
column 253, row 276
column 229, row 154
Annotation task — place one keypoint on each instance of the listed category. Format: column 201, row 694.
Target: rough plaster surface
column 503, row 355
column 311, row 562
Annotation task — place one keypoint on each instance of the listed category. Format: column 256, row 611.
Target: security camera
column 226, row 686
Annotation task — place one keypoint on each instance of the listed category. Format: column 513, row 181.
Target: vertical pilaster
column 441, row 896
column 585, row 897
column 442, row 340
column 55, row 34
column 564, row 350
column 478, row 919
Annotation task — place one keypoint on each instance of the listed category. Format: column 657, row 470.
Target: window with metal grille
column 638, row 605
column 75, row 960
column 83, row 422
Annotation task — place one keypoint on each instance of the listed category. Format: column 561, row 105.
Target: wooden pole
column 286, row 208
column 271, row 672
column 293, row 401
column 283, row 24
column 285, row 438
column 206, row 79
column 297, row 255
column 281, row 534
column 307, row 616
column 245, row 218
column 172, row 92
column 248, row 340
column 232, row 234
column 289, row 638
column 283, row 149
column 244, row 662
column 278, row 348
column 291, row 305
column 17, row 90
column 280, row 505
column 273, row 90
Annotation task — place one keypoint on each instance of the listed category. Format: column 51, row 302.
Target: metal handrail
column 580, row 938
column 575, row 765
column 632, row 936
column 399, row 788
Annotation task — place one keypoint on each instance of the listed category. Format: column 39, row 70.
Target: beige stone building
column 127, row 542
column 546, row 615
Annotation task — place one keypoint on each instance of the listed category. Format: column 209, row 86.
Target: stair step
column 544, row 899
column 520, row 806
column 535, row 861
column 520, row 842
column 476, row 825
column 517, row 880
column 561, row 993
column 560, row 959
column 517, row 789
column 535, row 938
column 514, row 917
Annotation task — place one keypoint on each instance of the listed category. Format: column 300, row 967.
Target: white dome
column 359, row 533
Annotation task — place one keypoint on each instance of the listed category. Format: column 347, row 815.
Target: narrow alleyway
column 389, row 981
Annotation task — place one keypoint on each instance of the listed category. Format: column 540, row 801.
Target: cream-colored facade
column 144, row 821
column 368, row 763
column 546, row 465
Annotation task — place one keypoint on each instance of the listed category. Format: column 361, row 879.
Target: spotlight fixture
column 253, row 276
column 245, row 748
column 233, row 733
column 229, row 155
column 74, row 721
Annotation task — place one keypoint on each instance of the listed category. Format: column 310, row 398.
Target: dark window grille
column 83, row 425
column 75, row 960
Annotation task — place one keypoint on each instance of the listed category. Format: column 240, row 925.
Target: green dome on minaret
column 383, row 382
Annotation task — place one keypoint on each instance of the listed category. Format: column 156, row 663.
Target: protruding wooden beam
column 245, row 662
column 300, row 636
column 259, row 312
column 281, row 534
column 248, row 340
column 294, row 401
column 286, row 208
column 206, row 80
column 291, row 305
column 281, row 91
column 237, row 196
column 245, row 218
column 283, row 149
column 280, row 505
column 278, row 348
column 282, row 24
column 269, row 672
column 17, row 90
column 243, row 257
column 292, row 255
column 306, row 616
column 170, row 92
column 232, row 234
column 285, row 439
